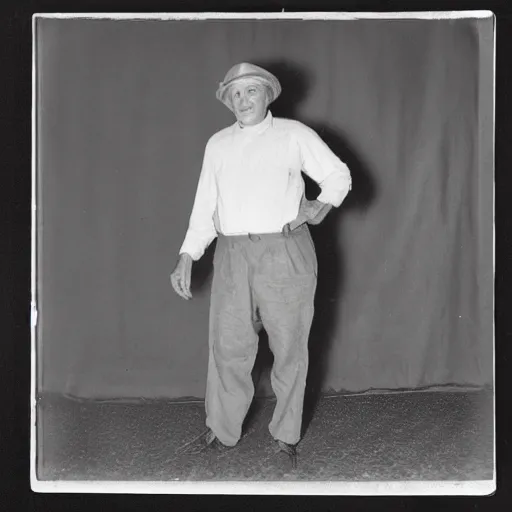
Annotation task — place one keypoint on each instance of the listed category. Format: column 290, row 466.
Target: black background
column 15, row 116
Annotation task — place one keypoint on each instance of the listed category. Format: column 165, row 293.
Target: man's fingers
column 184, row 293
column 294, row 224
column 184, row 288
column 186, row 282
column 178, row 286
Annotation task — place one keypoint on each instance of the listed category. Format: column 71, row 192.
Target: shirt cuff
column 335, row 197
column 195, row 250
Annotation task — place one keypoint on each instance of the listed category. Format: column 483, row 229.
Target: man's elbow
column 337, row 194
column 344, row 193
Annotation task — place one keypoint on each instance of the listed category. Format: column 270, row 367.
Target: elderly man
column 251, row 196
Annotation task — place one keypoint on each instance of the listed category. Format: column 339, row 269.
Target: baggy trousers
column 264, row 280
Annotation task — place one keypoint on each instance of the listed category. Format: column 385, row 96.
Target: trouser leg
column 285, row 289
column 233, row 345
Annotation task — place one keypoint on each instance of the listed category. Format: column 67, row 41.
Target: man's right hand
column 180, row 277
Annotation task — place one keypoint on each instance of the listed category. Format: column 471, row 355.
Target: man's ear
column 268, row 97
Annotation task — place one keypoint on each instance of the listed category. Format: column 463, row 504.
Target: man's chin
column 245, row 116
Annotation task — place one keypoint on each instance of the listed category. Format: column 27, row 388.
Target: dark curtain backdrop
column 405, row 293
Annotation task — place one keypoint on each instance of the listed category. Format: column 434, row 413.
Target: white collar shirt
column 251, row 181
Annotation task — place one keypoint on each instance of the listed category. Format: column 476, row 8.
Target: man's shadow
column 296, row 84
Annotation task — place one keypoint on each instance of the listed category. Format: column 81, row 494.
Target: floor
column 430, row 435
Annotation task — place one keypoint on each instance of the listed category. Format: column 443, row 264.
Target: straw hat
column 244, row 71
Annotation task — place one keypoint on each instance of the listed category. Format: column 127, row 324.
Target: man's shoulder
column 291, row 125
column 221, row 136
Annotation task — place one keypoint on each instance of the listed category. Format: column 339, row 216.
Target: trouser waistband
column 254, row 237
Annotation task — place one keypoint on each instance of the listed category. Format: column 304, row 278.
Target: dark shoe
column 205, row 441
column 290, row 450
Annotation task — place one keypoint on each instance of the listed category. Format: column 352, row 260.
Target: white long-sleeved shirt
column 251, row 180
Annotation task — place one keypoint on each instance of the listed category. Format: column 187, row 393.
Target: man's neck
column 255, row 126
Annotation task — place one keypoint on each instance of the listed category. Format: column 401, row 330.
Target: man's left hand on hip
column 311, row 212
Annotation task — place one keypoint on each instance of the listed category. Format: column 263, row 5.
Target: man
column 251, row 196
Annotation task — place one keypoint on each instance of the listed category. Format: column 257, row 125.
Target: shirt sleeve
column 201, row 229
column 324, row 167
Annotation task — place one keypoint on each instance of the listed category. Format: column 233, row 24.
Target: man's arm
column 326, row 169
column 201, row 230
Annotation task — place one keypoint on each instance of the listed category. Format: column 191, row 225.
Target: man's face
column 250, row 102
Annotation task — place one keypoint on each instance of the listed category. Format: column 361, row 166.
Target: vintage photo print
column 263, row 253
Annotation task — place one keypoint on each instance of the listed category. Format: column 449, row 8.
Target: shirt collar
column 256, row 129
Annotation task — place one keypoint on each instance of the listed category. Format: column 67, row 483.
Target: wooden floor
column 433, row 435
